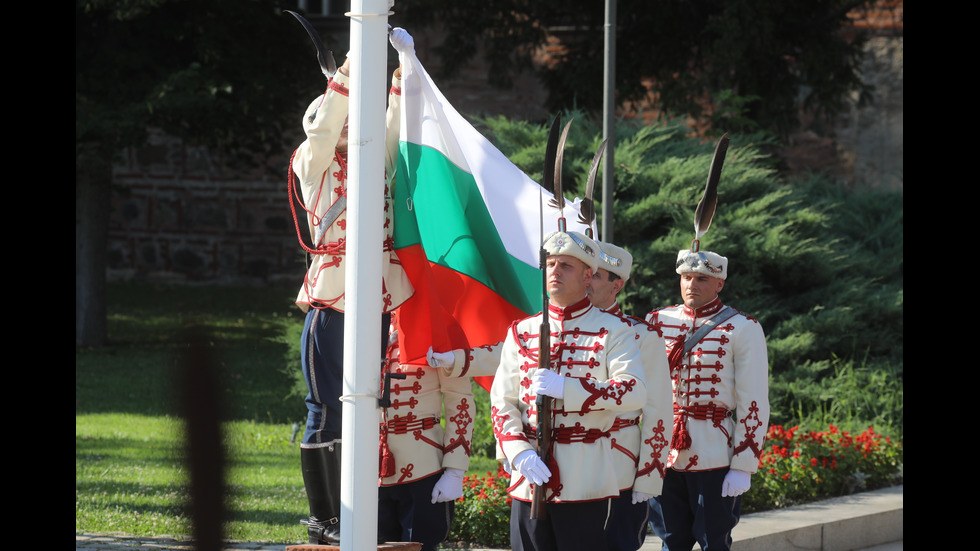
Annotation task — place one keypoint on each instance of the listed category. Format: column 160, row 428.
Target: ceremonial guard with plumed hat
column 719, row 372
column 641, row 437
column 589, row 370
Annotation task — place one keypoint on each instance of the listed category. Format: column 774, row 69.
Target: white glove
column 736, row 483
column 506, row 465
column 547, row 382
column 529, row 465
column 401, row 40
column 439, row 359
column 640, row 497
column 449, row 486
column 393, row 337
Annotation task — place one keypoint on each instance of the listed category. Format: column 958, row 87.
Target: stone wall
column 871, row 138
column 865, row 146
column 181, row 215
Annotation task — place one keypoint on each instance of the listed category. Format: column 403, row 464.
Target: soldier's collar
column 709, row 309
column 614, row 309
column 570, row 312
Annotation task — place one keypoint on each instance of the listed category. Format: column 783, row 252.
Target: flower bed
column 483, row 513
column 799, row 467
column 795, row 467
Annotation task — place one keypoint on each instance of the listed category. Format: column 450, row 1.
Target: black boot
column 321, row 474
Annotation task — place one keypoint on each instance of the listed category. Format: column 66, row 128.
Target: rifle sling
column 721, row 317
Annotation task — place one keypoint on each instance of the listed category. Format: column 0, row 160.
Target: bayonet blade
column 587, row 216
column 559, row 199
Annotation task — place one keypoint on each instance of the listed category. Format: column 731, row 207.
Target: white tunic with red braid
column 599, row 355
column 414, row 444
column 721, row 389
column 481, row 361
column 641, row 437
column 322, row 175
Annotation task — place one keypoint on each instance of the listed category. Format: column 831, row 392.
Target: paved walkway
column 871, row 521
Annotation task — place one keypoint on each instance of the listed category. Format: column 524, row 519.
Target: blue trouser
column 627, row 528
column 406, row 513
column 565, row 527
column 322, row 347
column 695, row 511
column 656, row 517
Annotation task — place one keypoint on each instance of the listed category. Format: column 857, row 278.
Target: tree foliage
column 220, row 73
column 710, row 59
column 820, row 267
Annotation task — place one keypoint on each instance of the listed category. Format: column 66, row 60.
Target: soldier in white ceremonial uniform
column 640, row 459
column 598, row 374
column 422, row 462
column 320, row 168
column 640, row 438
column 720, row 373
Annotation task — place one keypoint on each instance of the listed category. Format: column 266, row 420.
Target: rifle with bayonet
column 543, row 404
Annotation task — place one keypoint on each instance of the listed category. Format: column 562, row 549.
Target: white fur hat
column 702, row 262
column 575, row 244
column 615, row 259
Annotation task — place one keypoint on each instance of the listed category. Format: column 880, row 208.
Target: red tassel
column 681, row 439
column 386, row 466
column 554, row 483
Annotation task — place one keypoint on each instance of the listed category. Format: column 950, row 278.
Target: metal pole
column 609, row 121
column 365, row 235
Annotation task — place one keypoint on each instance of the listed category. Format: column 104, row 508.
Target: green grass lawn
column 130, row 477
column 130, row 474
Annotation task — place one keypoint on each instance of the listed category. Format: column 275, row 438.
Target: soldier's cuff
column 745, row 462
column 650, row 484
column 396, row 85
column 341, row 79
column 459, row 461
column 460, row 365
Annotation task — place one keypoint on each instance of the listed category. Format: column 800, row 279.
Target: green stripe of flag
column 456, row 229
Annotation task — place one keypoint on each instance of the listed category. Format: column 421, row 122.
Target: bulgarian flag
column 467, row 228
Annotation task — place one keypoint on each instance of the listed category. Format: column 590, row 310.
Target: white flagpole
column 365, row 235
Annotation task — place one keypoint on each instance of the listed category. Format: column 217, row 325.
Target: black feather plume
column 709, row 200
